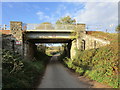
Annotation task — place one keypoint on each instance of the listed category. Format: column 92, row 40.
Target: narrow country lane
column 57, row 76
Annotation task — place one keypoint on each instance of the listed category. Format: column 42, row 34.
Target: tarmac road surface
column 57, row 76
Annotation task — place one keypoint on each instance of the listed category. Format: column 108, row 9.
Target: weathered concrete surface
column 49, row 35
column 93, row 42
column 57, row 76
column 73, row 49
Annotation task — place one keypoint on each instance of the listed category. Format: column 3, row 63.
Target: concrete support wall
column 73, row 49
column 92, row 42
column 77, row 42
column 85, row 42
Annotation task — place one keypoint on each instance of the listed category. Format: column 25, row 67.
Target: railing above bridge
column 50, row 27
column 4, row 27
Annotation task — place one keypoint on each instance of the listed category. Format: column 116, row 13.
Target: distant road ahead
column 57, row 76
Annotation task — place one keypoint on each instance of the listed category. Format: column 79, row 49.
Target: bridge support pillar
column 73, row 49
column 68, row 49
column 77, row 43
column 16, row 31
column 80, row 33
column 29, row 50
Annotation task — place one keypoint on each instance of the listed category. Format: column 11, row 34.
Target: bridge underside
column 49, row 36
column 50, row 40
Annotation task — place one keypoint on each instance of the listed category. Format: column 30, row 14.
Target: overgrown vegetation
column 99, row 64
column 118, row 28
column 18, row 73
column 66, row 20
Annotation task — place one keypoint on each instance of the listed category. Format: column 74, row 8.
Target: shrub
column 18, row 73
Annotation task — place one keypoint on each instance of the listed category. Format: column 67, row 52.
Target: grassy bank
column 18, row 73
column 99, row 64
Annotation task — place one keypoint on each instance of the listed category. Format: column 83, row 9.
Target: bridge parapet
column 50, row 27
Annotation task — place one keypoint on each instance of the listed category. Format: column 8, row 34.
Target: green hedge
column 99, row 64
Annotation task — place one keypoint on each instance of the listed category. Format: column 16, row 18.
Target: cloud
column 98, row 14
column 60, row 11
column 47, row 9
column 45, row 18
column 42, row 16
column 90, row 13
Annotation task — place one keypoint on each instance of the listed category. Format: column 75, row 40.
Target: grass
column 99, row 64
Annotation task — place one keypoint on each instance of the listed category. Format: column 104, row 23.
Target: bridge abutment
column 22, row 46
column 29, row 50
column 68, row 49
column 16, row 31
column 79, row 41
column 80, row 31
column 73, row 49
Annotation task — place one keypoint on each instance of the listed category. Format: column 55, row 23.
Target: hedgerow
column 99, row 64
column 19, row 73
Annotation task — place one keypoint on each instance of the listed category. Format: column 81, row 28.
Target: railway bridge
column 73, row 35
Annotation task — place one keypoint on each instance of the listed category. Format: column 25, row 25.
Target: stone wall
column 29, row 50
column 80, row 31
column 90, row 42
column 77, row 43
column 81, row 28
column 16, row 31
column 7, row 42
column 85, row 43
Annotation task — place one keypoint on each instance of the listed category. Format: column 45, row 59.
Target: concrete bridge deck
column 49, row 36
column 35, row 30
column 46, row 34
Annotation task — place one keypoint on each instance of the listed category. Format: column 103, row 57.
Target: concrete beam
column 49, row 36
column 50, row 31
column 50, row 40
